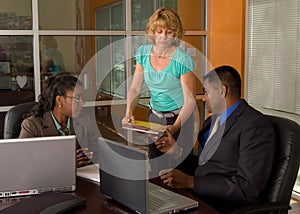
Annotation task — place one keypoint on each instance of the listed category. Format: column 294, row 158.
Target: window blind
column 273, row 57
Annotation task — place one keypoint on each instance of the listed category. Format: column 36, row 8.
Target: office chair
column 277, row 195
column 14, row 118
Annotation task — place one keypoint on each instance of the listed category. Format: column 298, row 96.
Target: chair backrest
column 286, row 161
column 14, row 118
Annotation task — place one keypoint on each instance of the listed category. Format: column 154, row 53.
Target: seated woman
column 59, row 112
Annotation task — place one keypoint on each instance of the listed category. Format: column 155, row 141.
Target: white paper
column 90, row 172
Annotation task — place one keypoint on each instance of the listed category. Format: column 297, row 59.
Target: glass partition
column 110, row 17
column 111, row 71
column 141, row 11
column 15, row 15
column 68, row 54
column 64, row 15
column 16, row 69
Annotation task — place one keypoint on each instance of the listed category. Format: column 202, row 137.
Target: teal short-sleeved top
column 57, row 60
column 165, row 86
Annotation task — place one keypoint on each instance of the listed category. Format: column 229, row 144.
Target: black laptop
column 124, row 178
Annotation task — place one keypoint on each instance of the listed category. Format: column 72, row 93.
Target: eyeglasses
column 77, row 98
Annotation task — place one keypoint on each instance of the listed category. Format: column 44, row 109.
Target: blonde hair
column 49, row 42
column 165, row 18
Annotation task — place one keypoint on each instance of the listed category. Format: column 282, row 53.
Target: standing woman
column 59, row 104
column 167, row 71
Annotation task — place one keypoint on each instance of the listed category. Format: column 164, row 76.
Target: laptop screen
column 123, row 174
column 34, row 165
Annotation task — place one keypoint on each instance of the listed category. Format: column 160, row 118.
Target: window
column 273, row 59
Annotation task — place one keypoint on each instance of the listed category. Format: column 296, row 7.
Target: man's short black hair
column 228, row 77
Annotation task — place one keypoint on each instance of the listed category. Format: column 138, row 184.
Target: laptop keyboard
column 156, row 203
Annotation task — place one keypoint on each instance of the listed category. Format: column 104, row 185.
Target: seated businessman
column 236, row 147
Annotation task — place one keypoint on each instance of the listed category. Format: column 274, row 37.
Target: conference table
column 96, row 202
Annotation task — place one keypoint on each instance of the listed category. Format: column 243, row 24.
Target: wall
column 227, row 33
column 189, row 11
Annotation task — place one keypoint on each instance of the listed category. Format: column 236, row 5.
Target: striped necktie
column 214, row 129
column 208, row 150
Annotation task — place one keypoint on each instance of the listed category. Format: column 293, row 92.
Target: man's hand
column 83, row 157
column 177, row 179
column 165, row 142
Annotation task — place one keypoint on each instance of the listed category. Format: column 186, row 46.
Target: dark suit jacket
column 86, row 134
column 238, row 170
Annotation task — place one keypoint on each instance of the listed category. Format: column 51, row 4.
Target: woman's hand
column 129, row 118
column 83, row 157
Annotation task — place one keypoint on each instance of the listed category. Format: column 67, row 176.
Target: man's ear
column 224, row 91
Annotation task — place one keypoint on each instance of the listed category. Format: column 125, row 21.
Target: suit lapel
column 214, row 142
column 231, row 120
column 49, row 126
